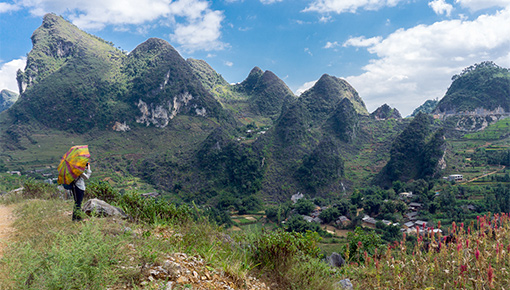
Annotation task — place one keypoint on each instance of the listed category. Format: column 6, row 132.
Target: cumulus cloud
column 341, row 6
column 229, row 63
column 331, row 45
column 441, row 7
column 362, row 41
column 8, row 74
column 195, row 26
column 416, row 64
column 476, row 5
column 6, row 7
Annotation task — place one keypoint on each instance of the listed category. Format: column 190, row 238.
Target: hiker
column 78, row 189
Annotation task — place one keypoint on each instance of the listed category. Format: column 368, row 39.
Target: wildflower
column 459, row 247
column 477, row 254
column 490, row 275
column 463, row 268
column 467, row 243
column 439, row 224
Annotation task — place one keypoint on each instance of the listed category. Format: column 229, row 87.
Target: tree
column 330, row 214
column 304, row 206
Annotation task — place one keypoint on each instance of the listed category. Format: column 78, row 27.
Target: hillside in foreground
column 164, row 245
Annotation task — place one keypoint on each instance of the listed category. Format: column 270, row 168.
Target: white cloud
column 331, row 45
column 229, row 63
column 201, row 33
column 195, row 26
column 416, row 64
column 476, row 5
column 305, row 87
column 362, row 41
column 8, row 74
column 341, row 6
column 6, row 7
column 265, row 2
column 441, row 7
column 307, row 50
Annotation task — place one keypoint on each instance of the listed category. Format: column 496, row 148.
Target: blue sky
column 399, row 52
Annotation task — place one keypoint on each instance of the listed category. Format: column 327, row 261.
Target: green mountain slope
column 326, row 94
column 481, row 86
column 415, row 153
column 7, row 99
column 266, row 92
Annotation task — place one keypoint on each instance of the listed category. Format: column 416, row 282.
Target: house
column 412, row 215
column 455, row 177
column 408, row 225
column 297, row 197
column 14, row 173
column 421, row 224
column 405, row 194
column 415, row 205
column 386, row 222
column 369, row 221
column 343, row 221
column 308, row 218
column 150, row 194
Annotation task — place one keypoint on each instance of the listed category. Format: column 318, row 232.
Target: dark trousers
column 78, row 199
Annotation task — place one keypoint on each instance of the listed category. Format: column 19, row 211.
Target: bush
column 276, row 249
column 37, row 189
column 152, row 210
column 102, row 191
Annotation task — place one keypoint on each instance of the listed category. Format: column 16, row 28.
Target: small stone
column 182, row 280
column 169, row 285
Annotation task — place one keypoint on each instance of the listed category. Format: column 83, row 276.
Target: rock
column 336, row 260
column 101, row 208
column 169, row 285
column 345, row 284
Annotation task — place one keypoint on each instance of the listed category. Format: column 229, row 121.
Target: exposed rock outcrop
column 102, row 208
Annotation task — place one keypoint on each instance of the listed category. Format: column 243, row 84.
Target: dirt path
column 487, row 174
column 6, row 219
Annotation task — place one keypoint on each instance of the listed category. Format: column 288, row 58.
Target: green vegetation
column 414, row 154
column 484, row 85
column 428, row 107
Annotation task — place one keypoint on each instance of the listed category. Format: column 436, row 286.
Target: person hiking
column 78, row 190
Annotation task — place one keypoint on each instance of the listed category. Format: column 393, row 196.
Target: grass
column 49, row 251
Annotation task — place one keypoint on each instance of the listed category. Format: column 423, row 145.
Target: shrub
column 152, row 210
column 276, row 249
column 102, row 191
column 37, row 189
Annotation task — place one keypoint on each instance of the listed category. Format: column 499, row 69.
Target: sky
column 398, row 52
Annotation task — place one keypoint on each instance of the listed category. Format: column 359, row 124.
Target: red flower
column 490, row 275
column 477, row 254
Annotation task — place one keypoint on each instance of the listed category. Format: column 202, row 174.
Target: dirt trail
column 6, row 229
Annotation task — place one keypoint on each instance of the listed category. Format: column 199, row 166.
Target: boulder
column 336, row 260
column 345, row 284
column 102, row 208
